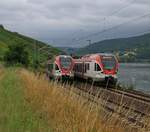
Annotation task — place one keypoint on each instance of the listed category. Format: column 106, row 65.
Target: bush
column 17, row 54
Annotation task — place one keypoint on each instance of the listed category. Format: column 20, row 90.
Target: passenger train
column 60, row 67
column 97, row 67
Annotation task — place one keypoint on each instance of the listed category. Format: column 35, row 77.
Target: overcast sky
column 63, row 22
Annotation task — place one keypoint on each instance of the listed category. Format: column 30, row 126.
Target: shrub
column 17, row 54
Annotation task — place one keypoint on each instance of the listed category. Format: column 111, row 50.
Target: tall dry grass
column 66, row 111
column 1, row 71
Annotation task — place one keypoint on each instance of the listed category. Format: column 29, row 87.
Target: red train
column 60, row 67
column 97, row 67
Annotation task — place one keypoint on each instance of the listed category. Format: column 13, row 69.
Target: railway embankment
column 136, row 104
column 75, row 99
column 37, row 104
column 15, row 113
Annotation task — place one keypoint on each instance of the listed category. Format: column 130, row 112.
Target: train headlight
column 71, row 72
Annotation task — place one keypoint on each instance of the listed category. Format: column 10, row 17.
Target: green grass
column 30, row 103
column 10, row 38
column 15, row 113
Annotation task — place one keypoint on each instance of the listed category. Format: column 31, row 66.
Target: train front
column 110, row 67
column 66, row 66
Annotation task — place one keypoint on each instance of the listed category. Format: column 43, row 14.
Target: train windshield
column 108, row 62
column 65, row 62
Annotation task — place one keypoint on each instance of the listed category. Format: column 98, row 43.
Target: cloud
column 60, row 21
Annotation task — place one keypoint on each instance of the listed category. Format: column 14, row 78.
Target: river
column 135, row 74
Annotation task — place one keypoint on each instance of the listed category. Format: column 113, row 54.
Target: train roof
column 63, row 56
column 94, row 57
column 105, row 54
column 102, row 54
column 98, row 54
column 56, row 58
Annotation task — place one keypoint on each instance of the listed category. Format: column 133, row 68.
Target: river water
column 135, row 74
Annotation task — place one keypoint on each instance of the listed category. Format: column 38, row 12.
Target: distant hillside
column 128, row 49
column 10, row 38
column 69, row 50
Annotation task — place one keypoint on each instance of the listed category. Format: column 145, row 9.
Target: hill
column 9, row 38
column 128, row 49
column 68, row 50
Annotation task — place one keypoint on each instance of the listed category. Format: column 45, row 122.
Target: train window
column 80, row 67
column 97, row 67
column 88, row 66
column 74, row 68
column 65, row 62
column 85, row 68
column 56, row 67
column 108, row 62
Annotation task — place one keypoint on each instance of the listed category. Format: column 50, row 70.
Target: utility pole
column 35, row 58
column 36, row 53
column 89, row 42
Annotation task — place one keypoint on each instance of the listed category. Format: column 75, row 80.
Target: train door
column 91, row 73
column 97, row 72
column 97, row 68
column 86, row 69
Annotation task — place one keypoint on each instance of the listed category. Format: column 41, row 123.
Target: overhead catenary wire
column 122, row 8
column 106, row 19
column 113, row 27
column 113, row 13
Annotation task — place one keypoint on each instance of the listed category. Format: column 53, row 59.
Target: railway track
column 134, row 94
column 134, row 106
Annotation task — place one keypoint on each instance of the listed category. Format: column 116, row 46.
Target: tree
column 17, row 54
